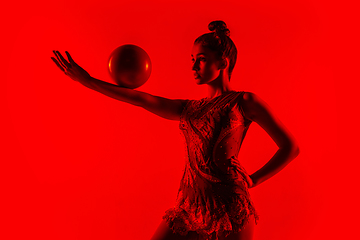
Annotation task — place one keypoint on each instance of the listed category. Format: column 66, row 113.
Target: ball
column 129, row 66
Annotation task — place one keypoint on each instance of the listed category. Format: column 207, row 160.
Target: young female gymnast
column 213, row 201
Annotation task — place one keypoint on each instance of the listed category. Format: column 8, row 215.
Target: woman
column 213, row 200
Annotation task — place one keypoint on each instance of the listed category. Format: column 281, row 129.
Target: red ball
column 130, row 66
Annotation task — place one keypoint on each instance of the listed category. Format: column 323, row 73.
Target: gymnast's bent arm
column 258, row 111
column 163, row 107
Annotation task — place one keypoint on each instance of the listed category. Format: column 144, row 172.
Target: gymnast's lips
column 196, row 75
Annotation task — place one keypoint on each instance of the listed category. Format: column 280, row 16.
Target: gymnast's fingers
column 63, row 60
column 57, row 64
column 71, row 60
column 59, row 60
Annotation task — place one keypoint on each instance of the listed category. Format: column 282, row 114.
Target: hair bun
column 219, row 27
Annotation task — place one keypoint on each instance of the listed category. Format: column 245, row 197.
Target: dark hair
column 219, row 41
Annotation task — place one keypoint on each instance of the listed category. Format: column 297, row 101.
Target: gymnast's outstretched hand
column 71, row 68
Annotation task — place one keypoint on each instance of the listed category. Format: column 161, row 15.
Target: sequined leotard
column 213, row 197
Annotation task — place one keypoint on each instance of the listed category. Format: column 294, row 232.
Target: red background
column 79, row 165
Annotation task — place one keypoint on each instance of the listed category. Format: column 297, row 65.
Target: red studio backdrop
column 77, row 164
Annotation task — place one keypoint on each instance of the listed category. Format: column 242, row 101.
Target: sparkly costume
column 213, row 197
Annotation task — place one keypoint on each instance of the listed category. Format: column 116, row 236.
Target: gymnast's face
column 205, row 64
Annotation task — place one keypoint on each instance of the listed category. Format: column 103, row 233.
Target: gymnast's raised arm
column 163, row 107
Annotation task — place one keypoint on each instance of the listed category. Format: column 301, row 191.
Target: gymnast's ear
column 224, row 62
